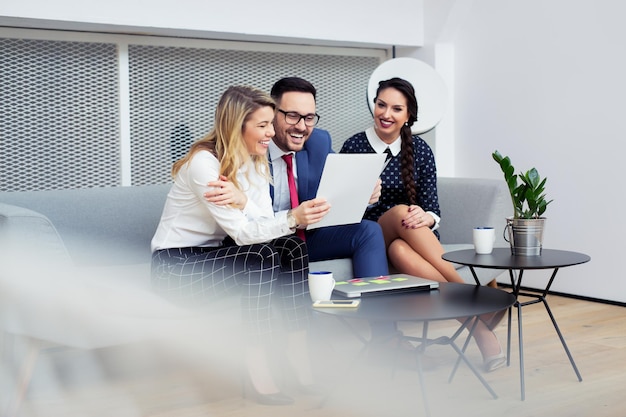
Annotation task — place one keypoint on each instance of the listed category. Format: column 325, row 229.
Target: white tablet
column 347, row 184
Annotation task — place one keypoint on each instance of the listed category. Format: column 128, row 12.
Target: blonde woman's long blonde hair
column 225, row 140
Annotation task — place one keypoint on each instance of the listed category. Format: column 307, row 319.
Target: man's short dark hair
column 289, row 84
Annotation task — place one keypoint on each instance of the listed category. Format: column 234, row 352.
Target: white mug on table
column 321, row 285
column 484, row 238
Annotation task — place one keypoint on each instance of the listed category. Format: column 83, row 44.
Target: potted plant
column 525, row 227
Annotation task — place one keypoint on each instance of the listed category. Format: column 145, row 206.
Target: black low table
column 501, row 258
column 450, row 301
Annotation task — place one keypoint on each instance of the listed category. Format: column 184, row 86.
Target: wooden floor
column 141, row 381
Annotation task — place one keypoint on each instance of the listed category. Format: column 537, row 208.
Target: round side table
column 501, row 258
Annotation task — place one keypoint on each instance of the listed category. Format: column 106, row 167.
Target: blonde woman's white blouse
column 189, row 220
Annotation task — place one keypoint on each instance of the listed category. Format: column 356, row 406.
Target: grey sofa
column 75, row 269
column 112, row 227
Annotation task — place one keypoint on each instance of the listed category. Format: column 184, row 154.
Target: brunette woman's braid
column 407, row 153
column 407, row 159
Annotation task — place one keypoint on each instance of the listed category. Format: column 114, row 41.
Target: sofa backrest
column 114, row 226
column 470, row 202
column 100, row 226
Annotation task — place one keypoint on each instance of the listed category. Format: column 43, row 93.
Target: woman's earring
column 406, row 123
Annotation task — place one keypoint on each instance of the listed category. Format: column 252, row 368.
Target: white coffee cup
column 484, row 238
column 321, row 285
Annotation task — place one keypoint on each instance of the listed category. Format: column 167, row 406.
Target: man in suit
column 362, row 242
column 295, row 134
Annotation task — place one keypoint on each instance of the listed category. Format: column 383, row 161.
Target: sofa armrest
column 27, row 234
column 102, row 225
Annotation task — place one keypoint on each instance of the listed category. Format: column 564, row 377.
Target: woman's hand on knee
column 417, row 217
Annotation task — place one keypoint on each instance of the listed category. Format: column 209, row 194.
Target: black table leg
column 462, row 357
column 508, row 337
column 558, row 332
column 420, row 371
column 536, row 299
column 464, row 348
column 521, row 350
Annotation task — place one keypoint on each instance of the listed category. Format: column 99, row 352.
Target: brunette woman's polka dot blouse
column 393, row 191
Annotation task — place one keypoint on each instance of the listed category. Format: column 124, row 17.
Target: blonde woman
column 231, row 242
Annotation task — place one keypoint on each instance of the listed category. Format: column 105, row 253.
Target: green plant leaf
column 509, row 171
column 496, row 156
column 542, row 185
column 533, row 177
column 528, row 195
column 512, row 183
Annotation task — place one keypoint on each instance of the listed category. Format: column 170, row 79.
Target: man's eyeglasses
column 293, row 118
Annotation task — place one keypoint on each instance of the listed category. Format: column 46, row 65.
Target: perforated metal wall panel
column 64, row 107
column 59, row 124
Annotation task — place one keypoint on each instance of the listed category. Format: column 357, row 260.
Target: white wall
column 543, row 82
column 322, row 22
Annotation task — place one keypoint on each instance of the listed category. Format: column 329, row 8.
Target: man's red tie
column 293, row 191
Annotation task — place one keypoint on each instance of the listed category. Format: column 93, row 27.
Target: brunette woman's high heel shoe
column 275, row 398
column 493, row 362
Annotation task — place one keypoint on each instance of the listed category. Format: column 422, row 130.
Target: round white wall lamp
column 430, row 89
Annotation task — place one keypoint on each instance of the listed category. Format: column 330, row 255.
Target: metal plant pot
column 525, row 235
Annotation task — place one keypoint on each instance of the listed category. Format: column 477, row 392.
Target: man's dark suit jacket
column 310, row 164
